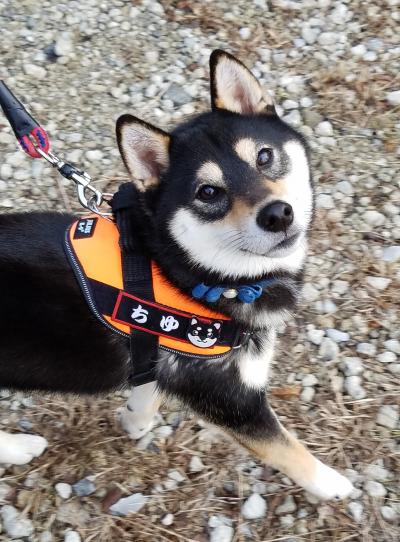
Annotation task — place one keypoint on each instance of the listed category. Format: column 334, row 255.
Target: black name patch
column 85, row 228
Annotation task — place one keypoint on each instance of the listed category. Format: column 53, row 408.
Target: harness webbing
column 137, row 280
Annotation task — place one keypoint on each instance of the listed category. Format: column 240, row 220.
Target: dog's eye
column 208, row 193
column 265, row 157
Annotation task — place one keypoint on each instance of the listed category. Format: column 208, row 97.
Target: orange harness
column 181, row 324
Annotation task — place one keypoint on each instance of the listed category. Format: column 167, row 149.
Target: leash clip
column 88, row 195
column 35, row 142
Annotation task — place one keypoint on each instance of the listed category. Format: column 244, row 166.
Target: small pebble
column 287, row 506
column 389, row 514
column 368, row 349
column 222, row 533
column 324, row 128
column 128, row 505
column 63, row 490
column 196, row 464
column 388, row 416
column 375, row 489
column 72, row 536
column 168, row 520
column 386, row 357
column 328, row 349
column 84, row 487
column 356, row 510
column 255, row 507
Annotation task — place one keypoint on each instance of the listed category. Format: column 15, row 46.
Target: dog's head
column 229, row 191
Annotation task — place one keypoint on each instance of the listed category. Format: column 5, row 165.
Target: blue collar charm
column 246, row 294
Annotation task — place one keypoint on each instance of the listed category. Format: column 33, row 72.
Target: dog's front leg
column 282, row 451
column 137, row 417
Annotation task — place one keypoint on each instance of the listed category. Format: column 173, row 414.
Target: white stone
column 380, row 283
column 389, row 254
column 15, row 524
column 315, row 336
column 218, row 519
column 374, row 218
column 168, row 520
column 370, row 56
column 34, row 71
column 309, row 380
column 310, row 293
column 393, row 97
column 368, row 349
column 340, row 286
column 375, row 489
column 245, row 33
column 325, row 201
column 324, row 128
column 328, row 349
column 352, row 385
column 94, row 155
column 290, row 104
column 376, row 472
column 326, row 306
column 287, row 506
column 388, row 416
column 328, row 38
column 309, row 34
column 222, row 533
column 387, row 357
column 293, row 118
column 46, row 536
column 337, row 336
column 130, row 504
column 72, row 536
column 164, row 431
column 305, row 102
column 388, row 513
column 64, row 44
column 255, row 507
column 359, row 50
column 63, row 490
column 5, row 171
column 352, row 366
column 356, row 510
column 393, row 345
column 174, row 474
column 196, row 464
column 307, row 395
column 345, row 187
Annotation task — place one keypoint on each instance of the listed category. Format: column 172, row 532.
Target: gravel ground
column 334, row 68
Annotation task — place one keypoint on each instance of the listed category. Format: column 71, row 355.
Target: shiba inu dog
column 224, row 199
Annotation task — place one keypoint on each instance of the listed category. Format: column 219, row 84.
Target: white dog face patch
column 203, row 335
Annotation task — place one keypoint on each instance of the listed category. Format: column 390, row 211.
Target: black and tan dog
column 226, row 198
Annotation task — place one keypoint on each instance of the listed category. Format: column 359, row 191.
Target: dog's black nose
column 276, row 216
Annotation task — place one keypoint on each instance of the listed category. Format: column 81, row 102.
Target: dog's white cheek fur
column 297, row 183
column 208, row 246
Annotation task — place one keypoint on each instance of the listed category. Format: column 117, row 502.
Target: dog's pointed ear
column 144, row 150
column 234, row 88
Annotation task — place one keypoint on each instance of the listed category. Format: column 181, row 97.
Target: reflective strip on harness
column 181, row 323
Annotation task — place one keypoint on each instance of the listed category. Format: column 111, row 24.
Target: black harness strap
column 137, row 281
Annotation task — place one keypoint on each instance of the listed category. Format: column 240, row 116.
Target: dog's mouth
column 280, row 249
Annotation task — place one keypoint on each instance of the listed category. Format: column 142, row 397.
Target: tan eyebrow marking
column 245, row 148
column 210, row 171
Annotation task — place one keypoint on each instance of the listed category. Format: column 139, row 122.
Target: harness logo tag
column 85, row 228
column 168, row 323
column 140, row 315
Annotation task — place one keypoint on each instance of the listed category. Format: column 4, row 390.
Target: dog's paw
column 135, row 425
column 329, row 484
column 19, row 449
